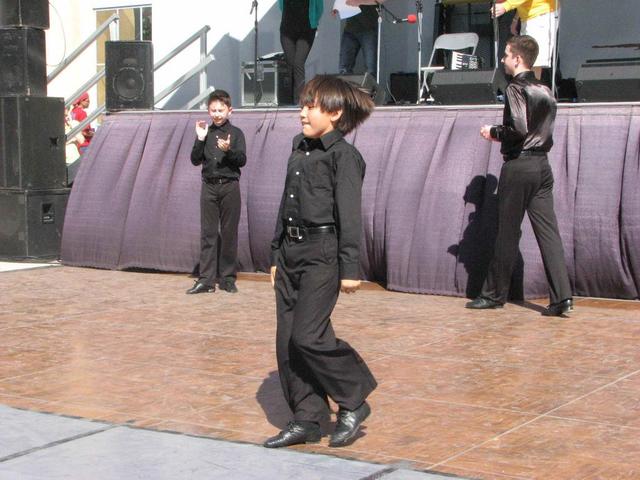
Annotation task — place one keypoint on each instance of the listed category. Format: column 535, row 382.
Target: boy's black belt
column 219, row 180
column 299, row 233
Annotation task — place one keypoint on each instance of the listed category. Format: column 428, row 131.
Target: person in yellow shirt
column 539, row 20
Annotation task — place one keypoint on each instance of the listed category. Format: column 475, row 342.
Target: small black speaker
column 404, row 87
column 32, row 222
column 609, row 82
column 24, row 13
column 467, row 87
column 367, row 82
column 32, row 143
column 23, row 62
column 129, row 75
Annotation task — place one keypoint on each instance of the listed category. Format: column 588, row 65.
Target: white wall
column 72, row 21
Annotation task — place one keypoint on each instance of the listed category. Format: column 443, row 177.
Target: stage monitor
column 467, row 87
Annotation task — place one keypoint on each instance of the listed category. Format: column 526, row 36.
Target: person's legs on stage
column 349, row 47
column 545, row 227
column 369, row 45
column 230, row 206
column 209, row 220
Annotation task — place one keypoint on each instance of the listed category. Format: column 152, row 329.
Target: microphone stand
column 419, row 14
column 495, row 34
column 254, row 10
column 381, row 9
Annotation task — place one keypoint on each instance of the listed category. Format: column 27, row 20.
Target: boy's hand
column 349, row 286
column 224, row 144
column 485, row 132
column 273, row 276
column 201, row 130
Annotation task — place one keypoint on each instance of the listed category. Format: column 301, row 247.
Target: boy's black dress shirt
column 323, row 187
column 529, row 114
column 216, row 163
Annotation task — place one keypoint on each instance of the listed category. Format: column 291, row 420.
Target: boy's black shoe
column 348, row 424
column 560, row 308
column 482, row 303
column 295, row 434
column 229, row 287
column 200, row 287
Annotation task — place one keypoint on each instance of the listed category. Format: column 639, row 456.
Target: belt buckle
column 294, row 232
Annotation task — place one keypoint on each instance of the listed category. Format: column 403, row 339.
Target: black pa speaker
column 32, row 143
column 23, row 64
column 24, row 13
column 609, row 82
column 31, row 222
column 404, row 87
column 467, row 87
column 129, row 75
column 367, row 82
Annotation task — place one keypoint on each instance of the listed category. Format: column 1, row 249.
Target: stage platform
column 429, row 202
column 506, row 394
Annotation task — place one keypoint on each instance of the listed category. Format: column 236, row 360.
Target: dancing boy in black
column 526, row 181
column 220, row 149
column 315, row 255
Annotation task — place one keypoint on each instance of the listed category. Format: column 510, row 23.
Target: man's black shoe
column 560, row 308
column 229, row 287
column 295, row 433
column 347, row 425
column 482, row 303
column 200, row 287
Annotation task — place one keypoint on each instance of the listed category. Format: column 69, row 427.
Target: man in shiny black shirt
column 220, row 149
column 526, row 182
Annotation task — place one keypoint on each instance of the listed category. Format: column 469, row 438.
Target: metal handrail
column 208, row 59
column 201, row 67
column 199, row 34
column 86, row 86
column 73, row 55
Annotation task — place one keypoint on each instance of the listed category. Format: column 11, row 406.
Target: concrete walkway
column 45, row 446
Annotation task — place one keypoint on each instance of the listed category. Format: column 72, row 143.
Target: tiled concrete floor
column 506, row 394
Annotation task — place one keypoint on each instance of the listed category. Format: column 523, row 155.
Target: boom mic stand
column 419, row 14
column 382, row 9
column 256, row 95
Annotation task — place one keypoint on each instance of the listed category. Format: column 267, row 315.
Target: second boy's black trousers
column 219, row 217
column 526, row 184
column 312, row 362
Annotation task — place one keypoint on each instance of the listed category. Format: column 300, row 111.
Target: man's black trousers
column 526, row 184
column 219, row 217
column 312, row 362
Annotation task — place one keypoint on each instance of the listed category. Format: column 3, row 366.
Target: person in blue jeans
column 360, row 34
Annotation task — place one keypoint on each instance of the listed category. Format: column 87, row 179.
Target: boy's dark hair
column 221, row 96
column 331, row 94
column 526, row 47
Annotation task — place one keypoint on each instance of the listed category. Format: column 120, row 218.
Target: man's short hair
column 220, row 96
column 332, row 94
column 526, row 47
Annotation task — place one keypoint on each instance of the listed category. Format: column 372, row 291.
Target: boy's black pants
column 219, row 217
column 526, row 184
column 312, row 362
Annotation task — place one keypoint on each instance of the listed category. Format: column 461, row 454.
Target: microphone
column 410, row 19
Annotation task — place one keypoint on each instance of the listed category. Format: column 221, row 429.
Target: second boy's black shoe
column 200, row 287
column 347, row 425
column 295, row 434
column 560, row 308
column 482, row 303
column 228, row 287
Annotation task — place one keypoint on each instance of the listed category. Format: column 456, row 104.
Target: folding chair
column 450, row 42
